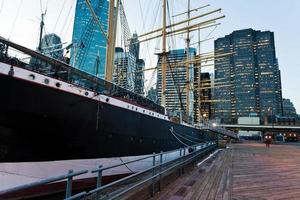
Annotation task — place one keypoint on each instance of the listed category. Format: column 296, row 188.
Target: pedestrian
column 268, row 142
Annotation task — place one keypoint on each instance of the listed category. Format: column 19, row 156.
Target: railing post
column 69, row 185
column 183, row 163
column 99, row 177
column 160, row 168
column 153, row 174
column 99, row 180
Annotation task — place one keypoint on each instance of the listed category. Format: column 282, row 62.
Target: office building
column 288, row 108
column 89, row 43
column 176, row 80
column 139, row 77
column 124, row 69
column 134, row 49
column 50, row 46
column 202, row 97
column 152, row 95
column 248, row 79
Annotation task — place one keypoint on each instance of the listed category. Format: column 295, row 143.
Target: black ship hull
column 40, row 123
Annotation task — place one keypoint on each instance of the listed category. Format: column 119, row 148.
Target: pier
column 242, row 171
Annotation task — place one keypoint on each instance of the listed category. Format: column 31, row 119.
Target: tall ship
column 54, row 117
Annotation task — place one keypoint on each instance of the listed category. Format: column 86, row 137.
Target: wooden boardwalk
column 242, row 172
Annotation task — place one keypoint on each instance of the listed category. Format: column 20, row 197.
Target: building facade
column 288, row 108
column 124, row 69
column 203, row 97
column 134, row 49
column 139, row 77
column 89, row 43
column 247, row 79
column 176, row 80
column 50, row 46
column 152, row 95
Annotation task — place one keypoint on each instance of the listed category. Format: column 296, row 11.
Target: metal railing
column 68, row 177
column 143, row 178
column 149, row 175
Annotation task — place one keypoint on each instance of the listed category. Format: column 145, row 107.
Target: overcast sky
column 19, row 21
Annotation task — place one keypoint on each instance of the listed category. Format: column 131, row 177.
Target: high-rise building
column 124, row 69
column 134, row 49
column 248, row 79
column 176, row 80
column 51, row 46
column 204, row 100
column 89, row 43
column 288, row 108
column 152, row 95
column 134, row 46
column 139, row 77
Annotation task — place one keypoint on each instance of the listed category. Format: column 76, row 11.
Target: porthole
column 107, row 100
column 46, row 81
column 132, row 107
column 143, row 110
column 136, row 108
column 57, row 84
column 31, row 76
column 86, row 93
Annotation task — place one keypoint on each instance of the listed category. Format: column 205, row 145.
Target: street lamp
column 270, row 109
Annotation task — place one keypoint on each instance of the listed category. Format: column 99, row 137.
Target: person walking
column 268, row 142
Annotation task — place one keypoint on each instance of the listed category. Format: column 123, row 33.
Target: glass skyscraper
column 89, row 43
column 248, row 79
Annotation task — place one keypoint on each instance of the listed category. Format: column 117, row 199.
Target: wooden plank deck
column 242, row 171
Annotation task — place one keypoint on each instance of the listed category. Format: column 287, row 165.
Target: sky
column 19, row 21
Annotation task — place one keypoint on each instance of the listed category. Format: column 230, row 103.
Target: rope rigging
column 171, row 131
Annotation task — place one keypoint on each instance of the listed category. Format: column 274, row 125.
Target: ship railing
column 159, row 167
column 68, row 177
column 149, row 177
column 43, row 64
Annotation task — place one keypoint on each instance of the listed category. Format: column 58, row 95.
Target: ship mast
column 199, row 90
column 188, row 62
column 41, row 32
column 164, row 55
column 110, row 43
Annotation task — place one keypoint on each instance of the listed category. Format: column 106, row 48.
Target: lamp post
column 270, row 109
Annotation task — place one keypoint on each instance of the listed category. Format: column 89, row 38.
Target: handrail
column 139, row 159
column 156, row 175
column 194, row 154
column 44, row 181
column 98, row 188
